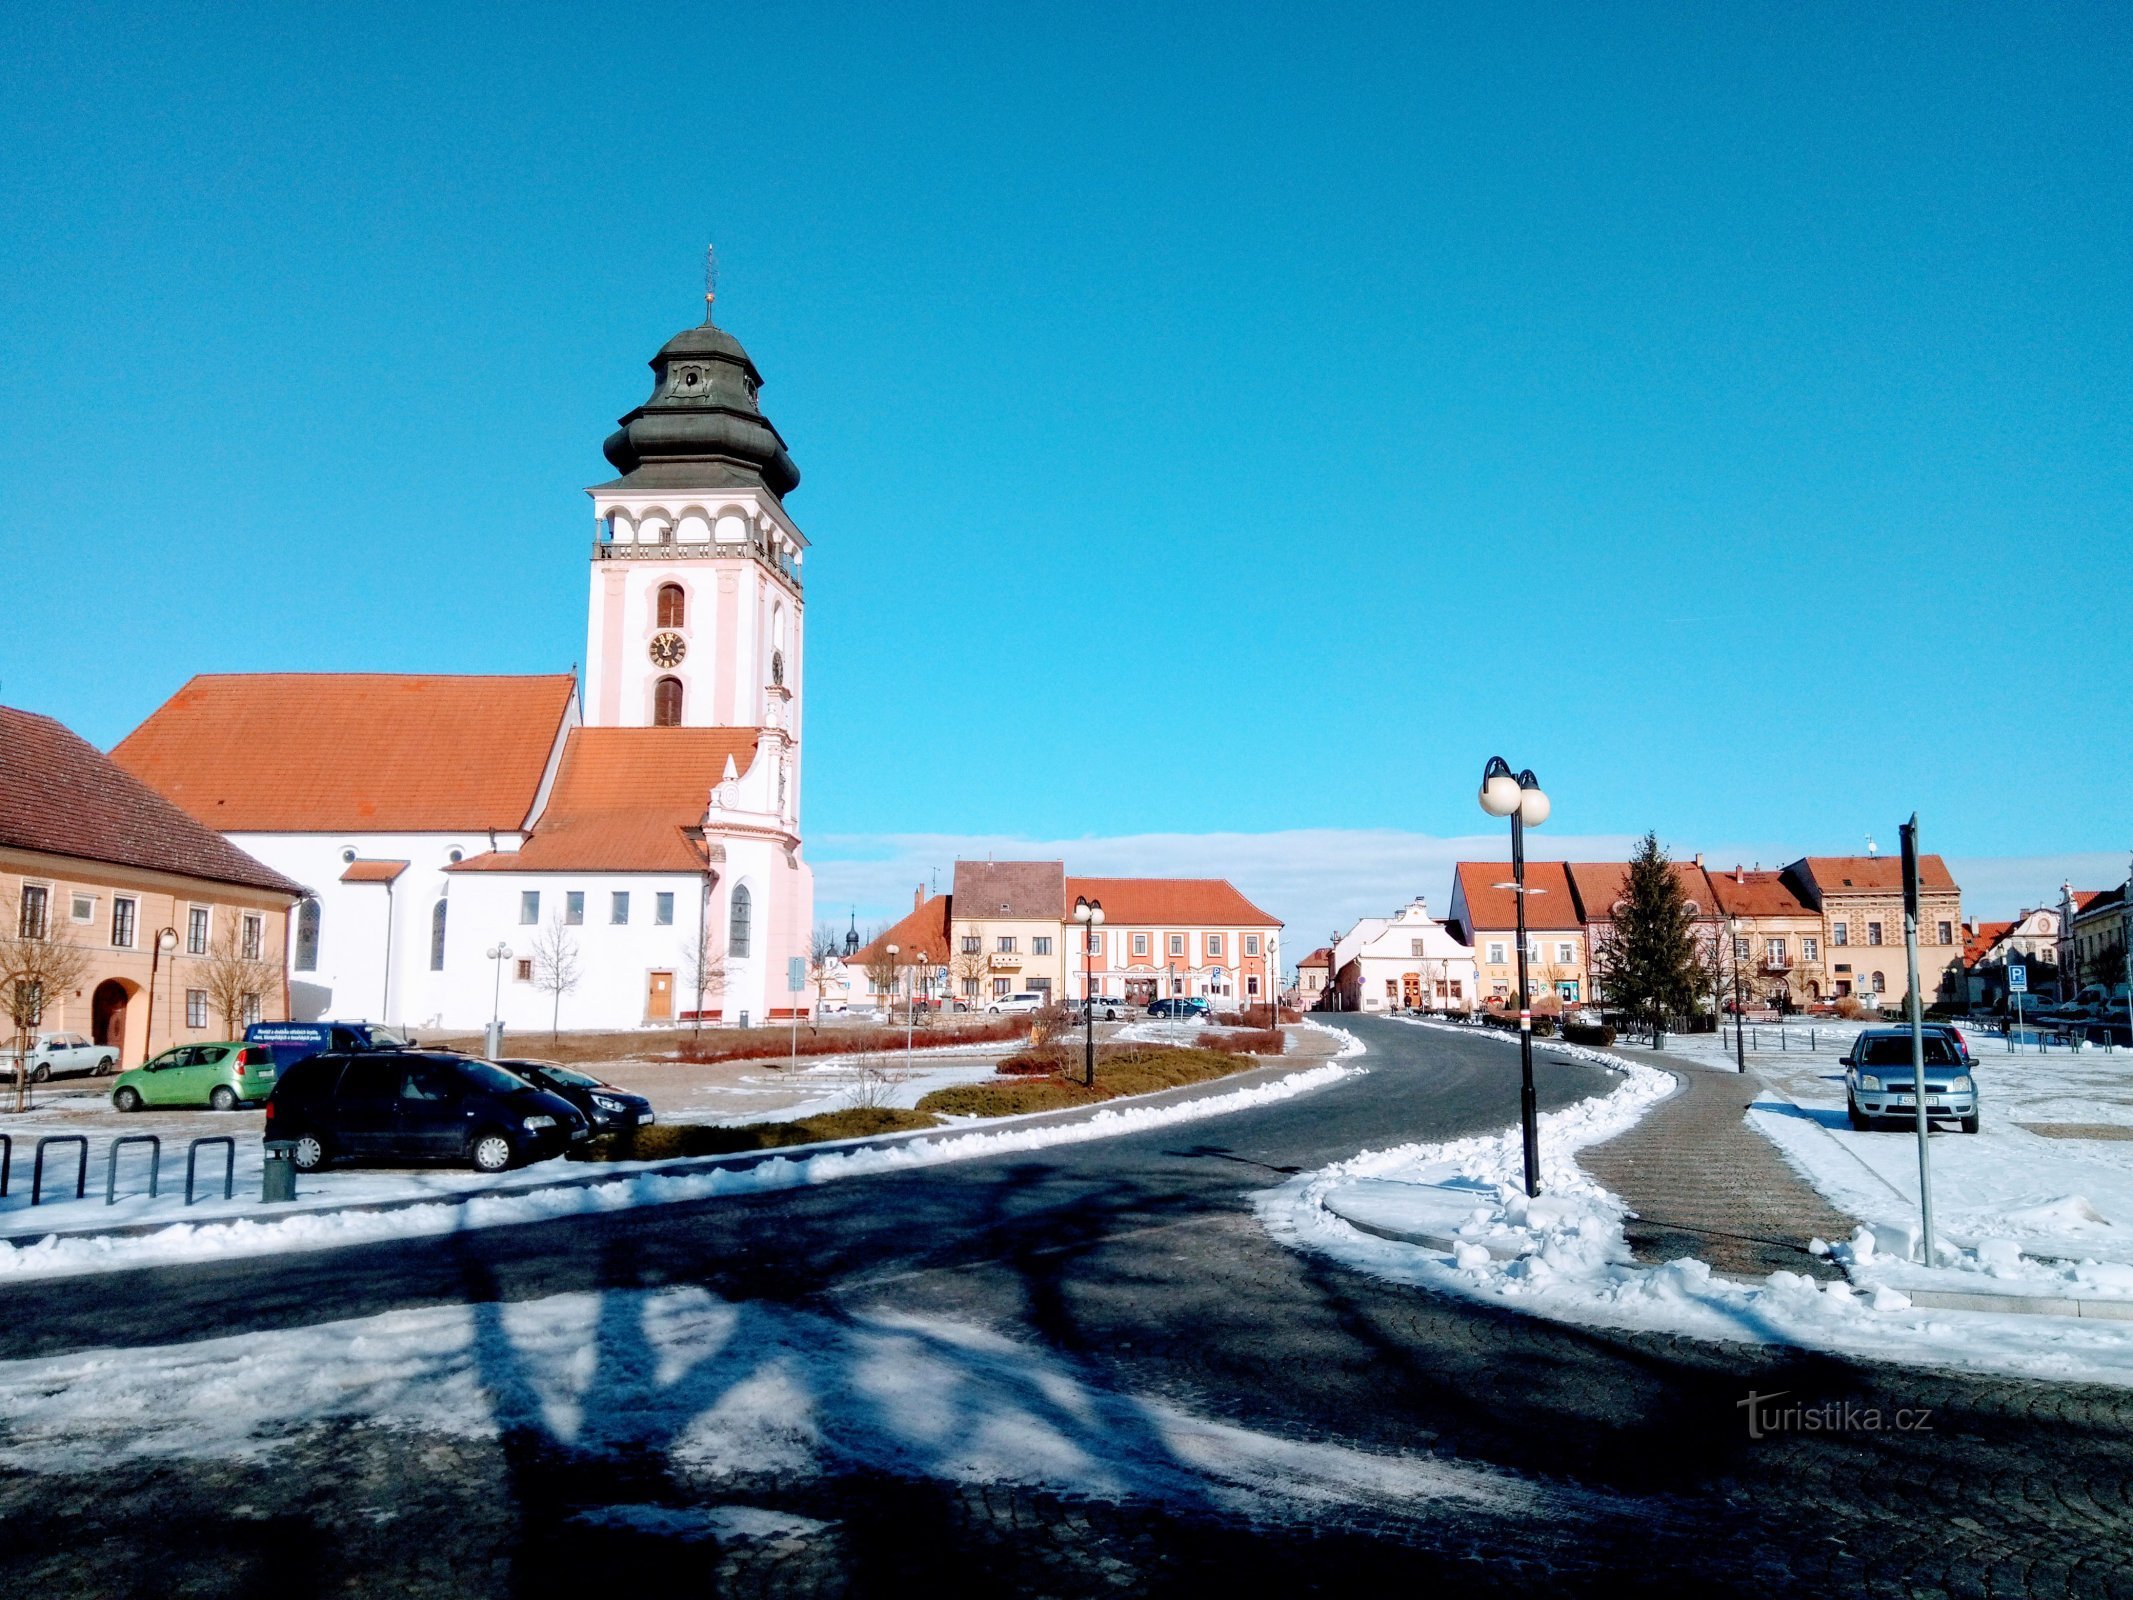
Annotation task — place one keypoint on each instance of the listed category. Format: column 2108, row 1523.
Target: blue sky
column 1216, row 421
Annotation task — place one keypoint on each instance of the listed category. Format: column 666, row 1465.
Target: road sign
column 2017, row 979
column 796, row 973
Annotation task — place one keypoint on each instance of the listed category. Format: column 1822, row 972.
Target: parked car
column 606, row 1107
column 222, row 1075
column 1879, row 1082
column 1107, row 1008
column 1027, row 1000
column 290, row 1042
column 61, row 1055
column 418, row 1105
column 1180, row 1006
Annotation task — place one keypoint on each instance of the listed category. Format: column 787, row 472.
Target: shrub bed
column 1588, row 1033
column 1543, row 1027
column 667, row 1141
column 747, row 1044
column 1120, row 1070
column 1246, row 1042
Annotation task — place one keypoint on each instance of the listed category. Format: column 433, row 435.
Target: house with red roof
column 619, row 852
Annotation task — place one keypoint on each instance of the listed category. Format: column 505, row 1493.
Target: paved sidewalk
column 1700, row 1182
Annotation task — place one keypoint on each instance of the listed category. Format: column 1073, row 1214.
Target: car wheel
column 127, row 1099
column 41, row 1073
column 1970, row 1123
column 224, row 1098
column 1859, row 1121
column 491, row 1153
column 104, row 1067
column 310, row 1153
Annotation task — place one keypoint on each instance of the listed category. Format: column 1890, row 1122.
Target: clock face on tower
column 667, row 649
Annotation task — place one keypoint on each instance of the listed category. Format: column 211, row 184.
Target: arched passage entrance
column 107, row 1013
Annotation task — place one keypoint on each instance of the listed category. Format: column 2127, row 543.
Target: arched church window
column 437, row 936
column 306, row 937
column 666, row 703
column 777, row 669
column 673, row 606
column 737, row 922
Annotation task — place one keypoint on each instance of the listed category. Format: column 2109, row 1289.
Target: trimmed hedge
column 1588, row 1033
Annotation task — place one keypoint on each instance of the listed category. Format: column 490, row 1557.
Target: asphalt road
column 1135, row 1264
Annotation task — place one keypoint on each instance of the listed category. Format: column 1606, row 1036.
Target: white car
column 1028, row 1000
column 58, row 1055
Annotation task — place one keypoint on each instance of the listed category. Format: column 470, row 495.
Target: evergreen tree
column 1648, row 958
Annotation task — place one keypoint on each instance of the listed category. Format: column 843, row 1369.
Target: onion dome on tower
column 701, row 429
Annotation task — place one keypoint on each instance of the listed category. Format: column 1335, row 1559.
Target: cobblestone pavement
column 1702, row 1183
column 1137, row 1265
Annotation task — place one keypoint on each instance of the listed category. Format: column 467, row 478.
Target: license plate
column 1905, row 1100
column 645, row 1117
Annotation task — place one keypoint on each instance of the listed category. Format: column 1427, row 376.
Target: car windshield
column 563, row 1075
column 386, row 1039
column 1895, row 1051
column 488, row 1075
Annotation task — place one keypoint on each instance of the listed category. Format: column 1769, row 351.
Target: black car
column 607, row 1108
column 417, row 1105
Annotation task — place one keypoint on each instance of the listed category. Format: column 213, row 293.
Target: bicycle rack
column 111, row 1166
column 81, row 1173
column 7, row 1161
column 229, row 1164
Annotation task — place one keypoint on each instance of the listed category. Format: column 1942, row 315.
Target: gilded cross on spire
column 710, row 280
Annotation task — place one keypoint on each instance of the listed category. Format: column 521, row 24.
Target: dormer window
column 673, row 606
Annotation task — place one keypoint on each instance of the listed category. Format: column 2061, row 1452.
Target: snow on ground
column 1573, row 1264
column 537, row 1195
column 724, row 1390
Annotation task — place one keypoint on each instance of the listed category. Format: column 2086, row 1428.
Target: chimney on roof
column 1699, row 858
column 1738, row 875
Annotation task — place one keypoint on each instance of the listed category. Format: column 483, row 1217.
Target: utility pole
column 1918, row 1038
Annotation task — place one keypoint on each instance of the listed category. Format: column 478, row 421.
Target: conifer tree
column 1648, row 958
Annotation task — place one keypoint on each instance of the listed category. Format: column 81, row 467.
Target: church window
column 663, row 908
column 307, row 937
column 666, row 703
column 673, row 606
column 437, row 937
column 737, row 922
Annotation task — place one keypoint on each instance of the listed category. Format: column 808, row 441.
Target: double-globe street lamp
column 1090, row 914
column 1519, row 797
column 498, row 953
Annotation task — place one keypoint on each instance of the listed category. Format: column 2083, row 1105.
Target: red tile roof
column 627, row 800
column 1168, row 903
column 1978, row 941
column 924, row 929
column 1009, row 888
column 373, row 871
column 358, row 752
column 1553, row 906
column 1870, row 874
column 1758, row 894
column 1321, row 957
column 62, row 796
column 1600, row 884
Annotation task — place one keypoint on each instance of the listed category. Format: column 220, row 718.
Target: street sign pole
column 2017, row 986
column 795, row 981
column 1918, row 1035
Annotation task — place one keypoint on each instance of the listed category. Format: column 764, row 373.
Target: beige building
column 1777, row 938
column 1484, row 916
column 176, row 923
column 1860, row 902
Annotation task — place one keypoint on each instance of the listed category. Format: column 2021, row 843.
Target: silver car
column 1879, row 1083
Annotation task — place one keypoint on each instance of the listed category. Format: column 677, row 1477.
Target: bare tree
column 38, row 960
column 234, row 980
column 970, row 966
column 703, row 968
column 555, row 966
column 883, row 970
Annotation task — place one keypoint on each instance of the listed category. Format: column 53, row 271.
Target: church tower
column 695, row 617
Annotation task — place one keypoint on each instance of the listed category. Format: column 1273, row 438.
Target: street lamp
column 498, row 953
column 1333, row 968
column 1090, row 914
column 1519, row 797
column 1740, row 1047
column 918, row 975
column 166, row 941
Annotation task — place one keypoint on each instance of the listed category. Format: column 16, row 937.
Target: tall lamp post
column 166, row 941
column 1333, row 968
column 1740, row 1045
column 498, row 953
column 919, row 975
column 1519, row 797
column 1090, row 914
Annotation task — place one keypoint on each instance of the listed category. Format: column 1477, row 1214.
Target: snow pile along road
column 60, row 1255
column 1563, row 1254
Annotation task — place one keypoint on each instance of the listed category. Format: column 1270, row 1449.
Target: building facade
column 179, row 933
column 1484, row 917
column 1405, row 962
column 473, row 847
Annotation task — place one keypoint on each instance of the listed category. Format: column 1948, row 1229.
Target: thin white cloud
column 1316, row 879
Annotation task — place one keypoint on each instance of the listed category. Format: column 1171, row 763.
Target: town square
column 815, row 801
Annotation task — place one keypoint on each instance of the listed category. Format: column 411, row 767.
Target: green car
column 224, row 1076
